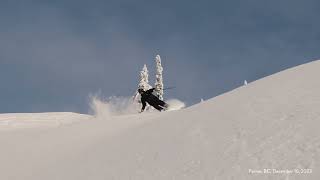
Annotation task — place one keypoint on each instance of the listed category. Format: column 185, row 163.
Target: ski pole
column 168, row 88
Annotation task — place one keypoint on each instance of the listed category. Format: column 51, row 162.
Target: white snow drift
column 272, row 123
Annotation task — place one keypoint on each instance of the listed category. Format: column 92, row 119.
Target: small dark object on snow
column 152, row 100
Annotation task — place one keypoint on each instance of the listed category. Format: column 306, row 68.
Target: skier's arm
column 150, row 91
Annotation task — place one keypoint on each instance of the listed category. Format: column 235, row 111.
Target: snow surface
column 35, row 120
column 270, row 123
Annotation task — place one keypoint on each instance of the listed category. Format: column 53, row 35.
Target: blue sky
column 53, row 54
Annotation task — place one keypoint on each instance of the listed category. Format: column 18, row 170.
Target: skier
column 147, row 96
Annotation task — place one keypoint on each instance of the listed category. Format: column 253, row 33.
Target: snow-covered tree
column 159, row 79
column 144, row 82
column 245, row 82
column 144, row 79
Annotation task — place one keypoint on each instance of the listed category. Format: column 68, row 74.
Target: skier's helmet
column 140, row 91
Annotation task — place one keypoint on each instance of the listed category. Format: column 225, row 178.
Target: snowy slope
column 270, row 123
column 36, row 120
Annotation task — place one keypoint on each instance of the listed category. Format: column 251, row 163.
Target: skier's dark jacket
column 147, row 96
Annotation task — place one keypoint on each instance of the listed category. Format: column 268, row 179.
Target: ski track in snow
column 270, row 123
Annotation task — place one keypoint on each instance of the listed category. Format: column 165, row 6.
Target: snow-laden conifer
column 144, row 79
column 245, row 82
column 143, row 83
column 159, row 79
